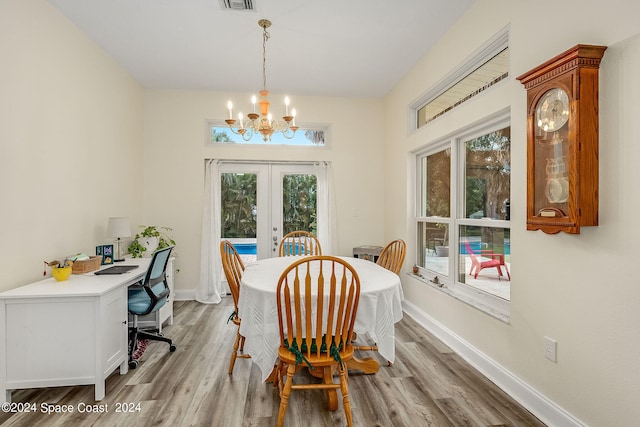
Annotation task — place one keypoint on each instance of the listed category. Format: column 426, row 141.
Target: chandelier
column 263, row 123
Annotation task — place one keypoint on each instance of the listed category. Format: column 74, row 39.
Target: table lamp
column 117, row 228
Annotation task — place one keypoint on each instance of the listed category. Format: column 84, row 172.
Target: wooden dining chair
column 233, row 269
column 317, row 299
column 300, row 243
column 392, row 256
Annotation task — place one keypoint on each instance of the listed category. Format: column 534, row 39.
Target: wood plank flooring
column 428, row 385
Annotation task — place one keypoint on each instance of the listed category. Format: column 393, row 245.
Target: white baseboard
column 184, row 295
column 539, row 405
column 189, row 295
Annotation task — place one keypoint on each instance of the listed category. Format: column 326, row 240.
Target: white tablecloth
column 379, row 308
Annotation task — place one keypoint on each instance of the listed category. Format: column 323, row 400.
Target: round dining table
column 380, row 307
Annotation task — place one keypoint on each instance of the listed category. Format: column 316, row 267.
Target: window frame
column 495, row 45
column 491, row 304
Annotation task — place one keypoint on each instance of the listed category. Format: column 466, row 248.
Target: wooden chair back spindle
column 392, row 256
column 299, row 243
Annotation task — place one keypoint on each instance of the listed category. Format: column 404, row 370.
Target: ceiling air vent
column 237, row 4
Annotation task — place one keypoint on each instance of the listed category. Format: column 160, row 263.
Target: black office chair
column 146, row 297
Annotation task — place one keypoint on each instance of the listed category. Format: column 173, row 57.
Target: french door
column 261, row 202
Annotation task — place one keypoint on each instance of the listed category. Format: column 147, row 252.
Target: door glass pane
column 299, row 207
column 485, row 259
column 488, row 176
column 238, row 205
column 239, row 212
column 433, row 240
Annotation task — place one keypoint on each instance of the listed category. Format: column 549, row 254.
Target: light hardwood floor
column 428, row 385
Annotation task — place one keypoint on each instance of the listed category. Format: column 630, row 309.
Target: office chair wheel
column 133, row 364
column 172, row 348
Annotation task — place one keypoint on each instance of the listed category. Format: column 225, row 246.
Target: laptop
column 116, row 269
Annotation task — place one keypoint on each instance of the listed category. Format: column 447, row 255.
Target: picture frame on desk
column 106, row 251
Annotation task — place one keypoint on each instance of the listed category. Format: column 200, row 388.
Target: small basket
column 87, row 265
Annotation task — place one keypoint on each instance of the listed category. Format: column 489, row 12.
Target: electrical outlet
column 550, row 349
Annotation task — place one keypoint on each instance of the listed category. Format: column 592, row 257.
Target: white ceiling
column 348, row 48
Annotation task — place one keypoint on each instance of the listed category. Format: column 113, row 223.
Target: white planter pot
column 442, row 251
column 151, row 243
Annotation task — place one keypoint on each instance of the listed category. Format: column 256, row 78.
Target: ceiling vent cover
column 237, row 4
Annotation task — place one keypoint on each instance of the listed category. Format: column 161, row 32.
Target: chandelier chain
column 265, row 38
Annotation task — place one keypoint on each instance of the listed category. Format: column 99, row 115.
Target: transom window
column 487, row 66
column 310, row 137
column 463, row 211
column 486, row 75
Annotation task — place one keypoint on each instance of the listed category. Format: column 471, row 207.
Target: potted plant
column 150, row 239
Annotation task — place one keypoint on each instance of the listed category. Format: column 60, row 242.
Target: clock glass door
column 551, row 151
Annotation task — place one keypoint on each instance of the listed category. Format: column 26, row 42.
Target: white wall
column 70, row 141
column 581, row 290
column 175, row 150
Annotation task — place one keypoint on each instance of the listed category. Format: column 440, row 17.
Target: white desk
column 378, row 310
column 65, row 333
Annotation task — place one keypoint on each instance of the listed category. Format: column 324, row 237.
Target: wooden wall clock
column 562, row 141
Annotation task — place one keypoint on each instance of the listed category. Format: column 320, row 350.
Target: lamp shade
column 118, row 227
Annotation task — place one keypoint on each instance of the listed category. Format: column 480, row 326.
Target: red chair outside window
column 495, row 261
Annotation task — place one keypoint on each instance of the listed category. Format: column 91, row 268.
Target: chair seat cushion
column 304, row 354
column 324, row 359
column 139, row 301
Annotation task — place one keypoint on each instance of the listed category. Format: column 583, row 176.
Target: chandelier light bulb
column 230, row 107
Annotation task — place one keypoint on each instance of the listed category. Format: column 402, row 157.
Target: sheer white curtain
column 209, row 288
column 327, row 233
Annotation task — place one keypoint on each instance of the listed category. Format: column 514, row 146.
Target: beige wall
column 175, row 150
column 70, row 141
column 580, row 290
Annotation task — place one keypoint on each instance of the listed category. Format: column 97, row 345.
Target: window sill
column 489, row 304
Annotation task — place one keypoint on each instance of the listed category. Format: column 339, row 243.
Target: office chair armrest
column 138, row 284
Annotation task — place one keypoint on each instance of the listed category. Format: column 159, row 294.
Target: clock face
column 552, row 111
